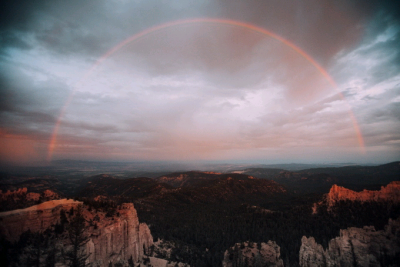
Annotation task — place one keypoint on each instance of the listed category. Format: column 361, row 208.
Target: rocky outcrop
column 118, row 239
column 391, row 192
column 35, row 218
column 20, row 198
column 355, row 247
column 253, row 254
column 387, row 194
column 15, row 195
column 115, row 239
column 49, row 195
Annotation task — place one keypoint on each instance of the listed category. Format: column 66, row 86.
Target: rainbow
column 236, row 23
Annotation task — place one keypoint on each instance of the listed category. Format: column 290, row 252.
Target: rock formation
column 13, row 194
column 355, row 247
column 35, row 218
column 253, row 254
column 118, row 239
column 20, row 198
column 115, row 239
column 389, row 193
column 49, row 195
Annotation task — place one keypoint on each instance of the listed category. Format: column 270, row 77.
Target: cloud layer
column 200, row 91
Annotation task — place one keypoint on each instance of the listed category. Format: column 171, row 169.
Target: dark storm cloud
column 76, row 25
column 84, row 27
column 20, row 90
column 321, row 28
column 26, row 106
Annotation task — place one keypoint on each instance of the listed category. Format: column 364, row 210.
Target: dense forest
column 201, row 233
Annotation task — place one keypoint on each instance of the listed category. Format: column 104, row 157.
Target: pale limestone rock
column 354, row 247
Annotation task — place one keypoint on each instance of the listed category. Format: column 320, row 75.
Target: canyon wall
column 355, row 247
column 391, row 192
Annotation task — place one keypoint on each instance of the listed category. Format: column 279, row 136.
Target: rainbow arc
column 235, row 23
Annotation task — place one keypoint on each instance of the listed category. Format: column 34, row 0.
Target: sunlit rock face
column 35, row 218
column 119, row 239
column 114, row 239
column 391, row 192
column 253, row 254
column 355, row 247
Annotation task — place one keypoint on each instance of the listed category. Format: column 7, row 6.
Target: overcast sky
column 200, row 90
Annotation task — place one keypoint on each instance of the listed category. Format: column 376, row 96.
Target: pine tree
column 76, row 232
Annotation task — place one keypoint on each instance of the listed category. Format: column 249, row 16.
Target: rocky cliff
column 253, row 254
column 391, row 192
column 118, row 239
column 355, row 247
column 35, row 218
column 115, row 239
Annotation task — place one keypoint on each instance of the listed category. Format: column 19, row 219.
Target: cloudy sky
column 191, row 80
